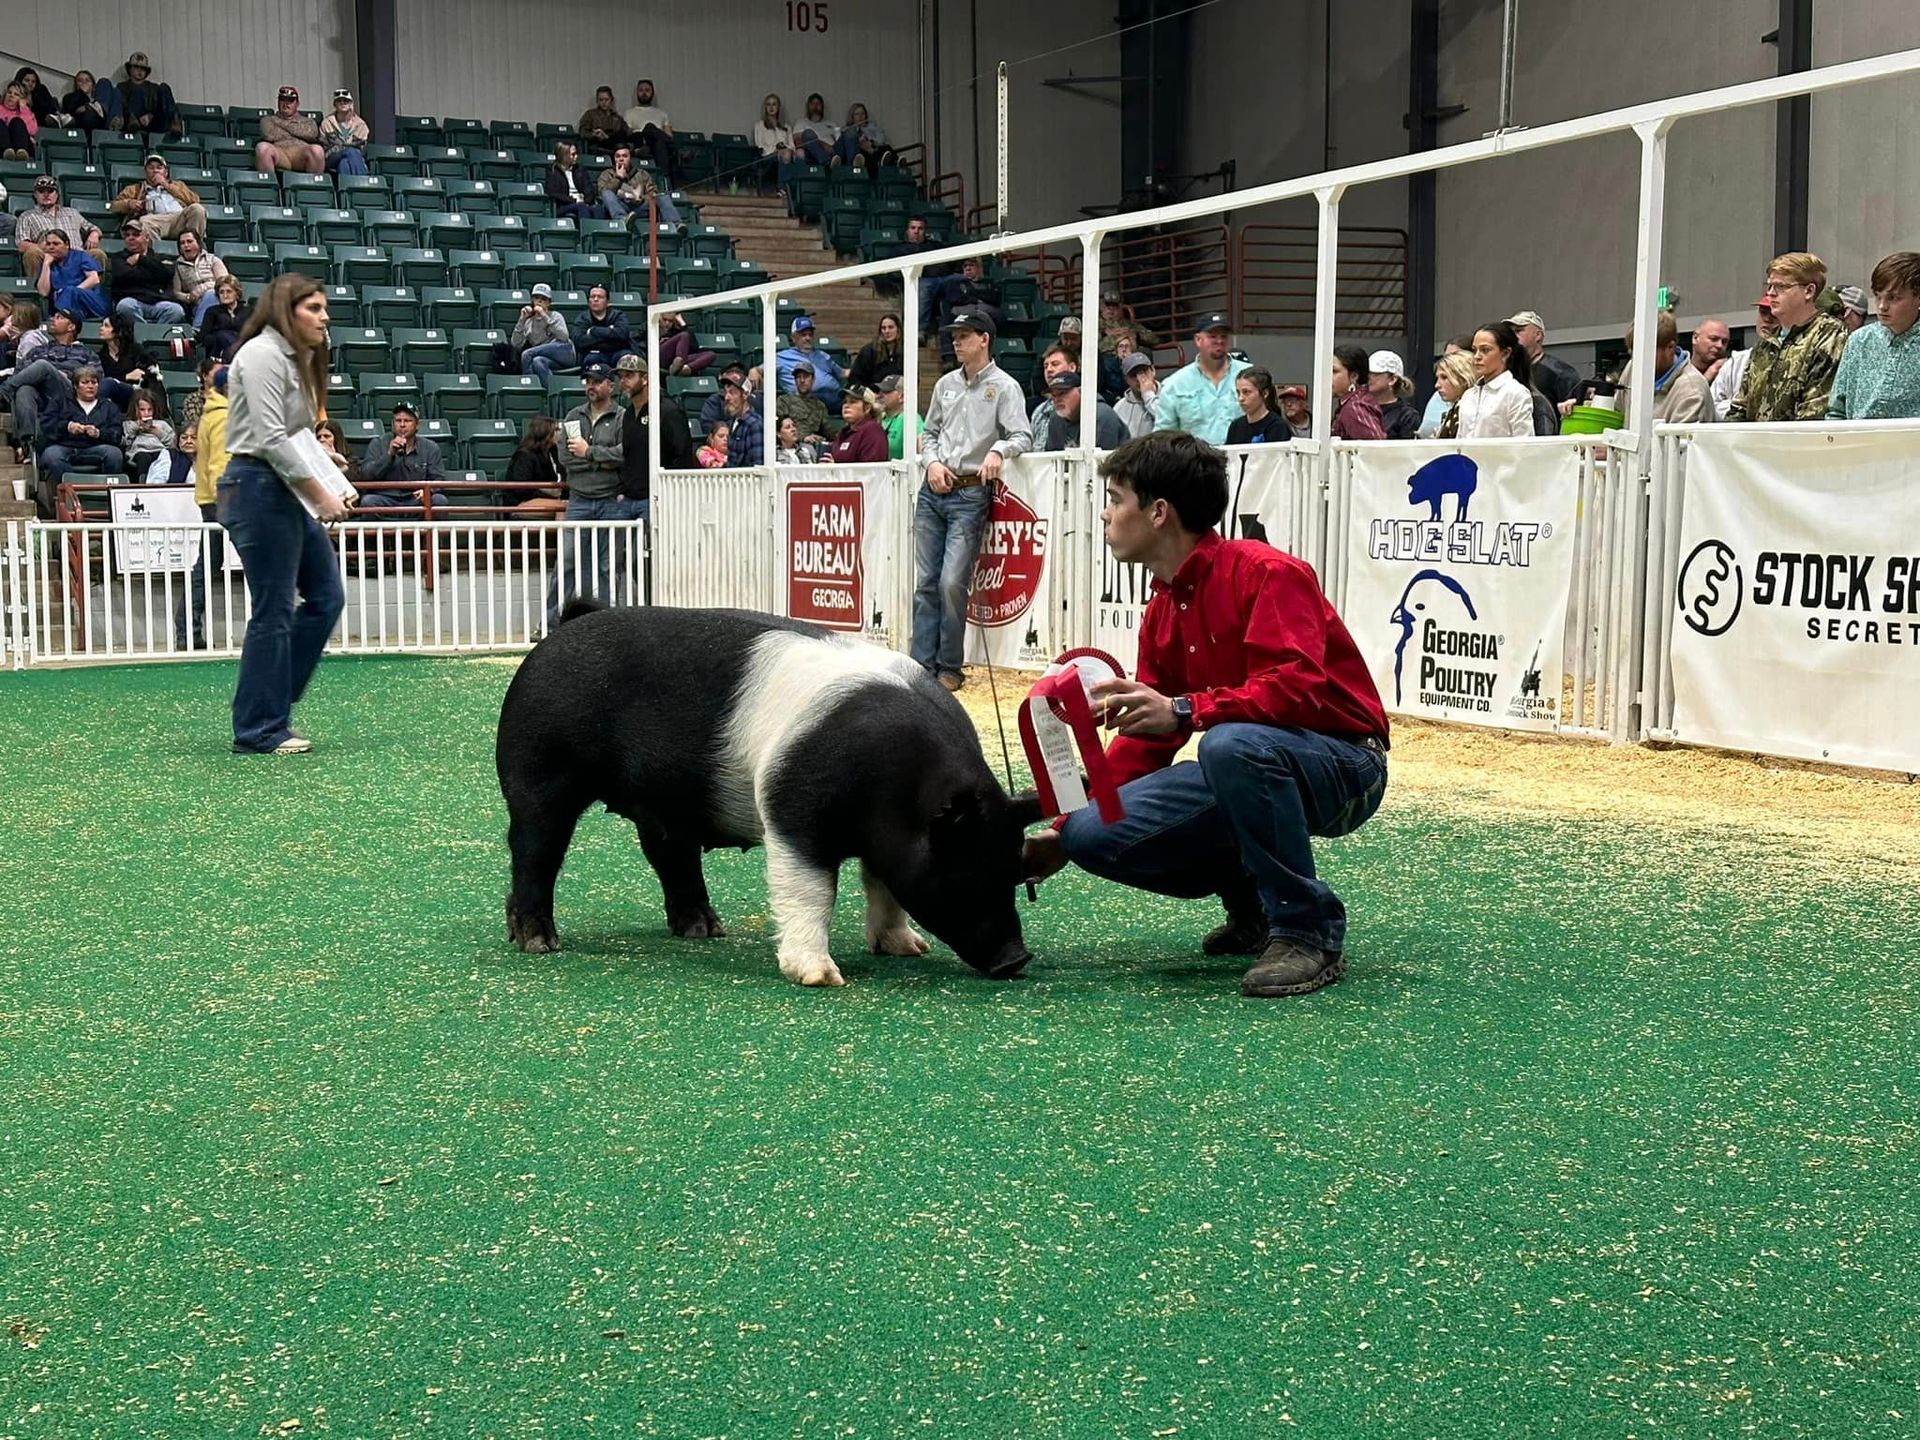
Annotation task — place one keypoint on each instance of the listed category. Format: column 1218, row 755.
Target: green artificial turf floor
column 1607, row 1132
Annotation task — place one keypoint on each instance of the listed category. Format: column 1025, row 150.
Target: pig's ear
column 1025, row 808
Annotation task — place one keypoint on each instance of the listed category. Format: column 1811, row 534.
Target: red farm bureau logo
column 1013, row 556
column 824, row 527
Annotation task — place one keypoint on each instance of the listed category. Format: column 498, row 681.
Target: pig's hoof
column 535, row 937
column 696, row 925
column 811, row 970
column 900, row 940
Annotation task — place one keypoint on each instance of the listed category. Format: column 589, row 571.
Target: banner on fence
column 1259, row 505
column 161, row 531
column 1010, row 611
column 843, row 555
column 1459, row 571
column 1797, row 610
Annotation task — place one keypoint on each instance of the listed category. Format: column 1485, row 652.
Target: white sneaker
column 293, row 745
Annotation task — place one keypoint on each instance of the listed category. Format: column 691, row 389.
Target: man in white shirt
column 1726, row 385
column 651, row 130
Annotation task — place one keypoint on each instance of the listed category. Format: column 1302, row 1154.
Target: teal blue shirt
column 1879, row 376
column 1191, row 402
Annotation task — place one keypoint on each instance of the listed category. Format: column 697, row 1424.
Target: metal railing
column 1276, row 270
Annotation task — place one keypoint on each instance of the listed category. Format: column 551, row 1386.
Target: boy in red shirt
column 1240, row 644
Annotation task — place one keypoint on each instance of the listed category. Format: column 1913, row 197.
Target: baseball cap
column 154, row 159
column 888, row 384
column 408, row 406
column 132, row 227
column 1299, row 391
column 630, row 365
column 1109, row 297
column 734, row 380
column 1765, row 302
column 866, row 397
column 1063, row 381
column 1070, row 323
column 1525, row 318
column 595, row 371
column 800, row 322
column 138, row 58
column 1854, row 298
column 343, row 95
column 1212, row 320
column 1135, row 362
column 219, row 379
column 543, row 291
column 974, row 319
column 287, row 92
column 1385, row 362
column 47, row 182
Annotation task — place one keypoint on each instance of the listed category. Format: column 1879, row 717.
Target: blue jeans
column 930, row 286
column 34, row 386
column 580, row 210
column 159, row 312
column 285, row 552
column 1244, row 811
column 542, row 360
column 57, row 460
column 604, row 550
column 618, row 209
column 347, row 162
column 193, row 599
column 946, row 541
column 201, row 306
column 809, row 144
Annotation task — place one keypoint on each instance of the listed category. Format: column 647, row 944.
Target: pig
column 724, row 728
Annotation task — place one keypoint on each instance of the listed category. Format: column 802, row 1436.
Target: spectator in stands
column 715, row 406
column 967, row 290
column 677, row 347
column 1260, row 421
column 19, row 128
column 892, row 395
column 343, row 137
column 125, row 364
column 146, row 106
column 223, row 321
column 788, row 447
column 404, row 457
column 1200, row 397
column 1295, row 406
column 676, row 440
column 746, row 432
column 932, row 277
column 804, row 408
column 815, row 136
column 47, row 215
column 7, row 220
column 1708, row 348
column 39, row 99
column 602, row 125
column 540, row 337
column 1726, row 385
column 333, row 439
column 827, row 374
column 1072, row 336
column 595, row 456
column 288, row 139
column 194, row 406
column 1437, row 405
column 1137, row 406
column 1120, row 332
column 1063, row 421
column 39, row 385
column 161, row 205
column 1355, row 415
column 625, row 189
column 536, row 461
column 566, row 187
column 85, row 105
column 21, row 333
column 774, row 139
column 1879, row 376
column 146, row 438
column 975, row 424
column 141, row 281
column 209, row 464
column 196, row 273
column 1680, row 394
column 1791, row 372
column 651, row 129
column 600, row 332
column 882, row 355
column 862, row 439
column 1854, row 307
column 713, row 454
column 1054, row 360
column 1552, row 377
column 1500, row 401
column 70, row 279
column 1453, row 376
column 1391, row 390
column 861, row 143
column 84, row 432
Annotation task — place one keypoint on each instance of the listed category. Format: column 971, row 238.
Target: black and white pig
column 710, row 728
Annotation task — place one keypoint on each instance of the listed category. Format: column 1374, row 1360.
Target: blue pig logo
column 1453, row 475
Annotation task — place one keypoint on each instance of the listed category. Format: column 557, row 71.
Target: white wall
column 1864, row 189
column 212, row 52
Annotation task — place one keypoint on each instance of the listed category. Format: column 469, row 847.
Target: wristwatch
column 1183, row 711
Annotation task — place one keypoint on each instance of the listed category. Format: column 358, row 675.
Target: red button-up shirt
column 1247, row 632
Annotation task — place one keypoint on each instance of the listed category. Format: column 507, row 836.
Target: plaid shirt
column 33, row 225
column 746, row 440
column 1789, row 376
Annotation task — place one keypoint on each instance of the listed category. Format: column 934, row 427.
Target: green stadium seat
column 336, row 227
column 443, row 163
column 178, row 384
column 524, row 198
column 422, row 350
column 79, row 184
column 343, row 305
column 696, row 155
column 606, row 237
column 500, row 309
column 395, row 162
column 363, row 432
column 510, row 135
column 806, row 191
column 559, row 236
column 581, row 272
column 494, row 165
column 473, row 349
column 726, row 349
column 564, row 393
column 437, row 430
column 739, row 274
column 449, row 307
column 111, row 150
column 228, row 153
column 247, row 188
column 504, row 232
column 226, row 225
column 472, row 197
column 453, row 396
column 734, row 155
column 890, row 182
column 390, row 306
column 362, row 265
column 360, row 348
column 468, row 134
column 515, row 397
column 707, row 242
column 420, row 192
column 314, row 260
column 488, row 444
column 546, row 132
column 394, row 228
column 366, row 192
column 447, row 230
column 339, row 395
column 527, row 268
column 296, row 186
column 690, row 393
column 879, row 244
column 277, row 225
column 244, row 120
column 1020, row 288
column 417, row 130
column 739, row 318
column 476, row 269
column 375, row 392
column 631, row 272
column 841, row 223
column 688, row 277
column 180, row 150
column 418, row 266
column 249, row 261
column 201, row 119
column 60, row 150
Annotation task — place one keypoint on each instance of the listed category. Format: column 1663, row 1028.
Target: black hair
column 1181, row 469
column 1262, row 380
column 1462, row 341
column 1519, row 364
column 1353, row 358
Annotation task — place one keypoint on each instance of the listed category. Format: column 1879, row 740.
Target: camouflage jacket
column 1789, row 376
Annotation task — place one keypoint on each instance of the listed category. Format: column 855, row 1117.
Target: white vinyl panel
column 1864, row 185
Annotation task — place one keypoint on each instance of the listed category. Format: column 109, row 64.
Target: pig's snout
column 1007, row 962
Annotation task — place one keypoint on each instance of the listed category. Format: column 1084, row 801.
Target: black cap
column 1212, row 320
column 973, row 319
column 408, row 406
column 1064, row 381
column 595, row 371
column 888, row 384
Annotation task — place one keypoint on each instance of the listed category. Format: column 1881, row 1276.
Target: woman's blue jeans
column 286, row 554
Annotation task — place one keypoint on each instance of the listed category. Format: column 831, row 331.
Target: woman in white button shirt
column 275, row 388
column 1500, row 403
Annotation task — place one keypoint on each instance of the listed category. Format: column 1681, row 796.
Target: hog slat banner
column 1797, row 608
column 1260, row 506
column 844, row 549
column 1012, row 611
column 1459, row 569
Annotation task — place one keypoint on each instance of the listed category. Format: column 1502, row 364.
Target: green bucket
column 1589, row 420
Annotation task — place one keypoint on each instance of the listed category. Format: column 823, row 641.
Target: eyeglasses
column 1780, row 287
